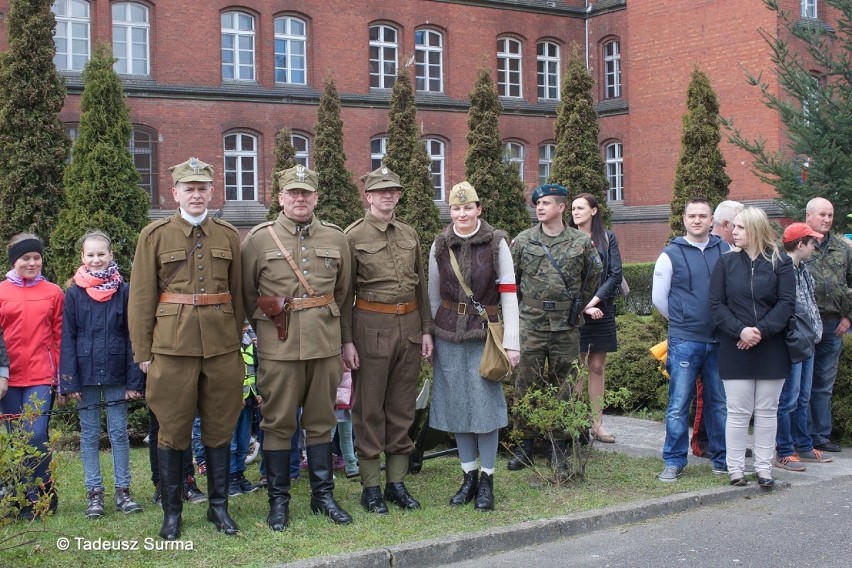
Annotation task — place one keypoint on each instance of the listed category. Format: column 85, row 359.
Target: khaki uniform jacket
column 537, row 279
column 213, row 268
column 387, row 266
column 321, row 252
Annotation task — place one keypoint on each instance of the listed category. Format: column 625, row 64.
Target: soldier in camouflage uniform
column 831, row 267
column 548, row 334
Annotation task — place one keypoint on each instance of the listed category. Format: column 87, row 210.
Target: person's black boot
column 218, row 481
column 278, row 488
column 523, row 456
column 372, row 500
column 485, row 493
column 321, row 476
column 171, row 491
column 467, row 490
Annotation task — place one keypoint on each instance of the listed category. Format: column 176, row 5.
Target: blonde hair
column 759, row 233
column 95, row 235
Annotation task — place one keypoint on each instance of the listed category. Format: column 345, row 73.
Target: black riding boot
column 322, row 484
column 278, row 478
column 171, row 491
column 523, row 456
column 467, row 490
column 218, row 480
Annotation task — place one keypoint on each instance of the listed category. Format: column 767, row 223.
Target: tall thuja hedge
column 33, row 143
column 577, row 163
column 102, row 182
column 701, row 168
column 407, row 157
column 339, row 199
column 285, row 158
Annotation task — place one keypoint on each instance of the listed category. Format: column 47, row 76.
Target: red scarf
column 100, row 285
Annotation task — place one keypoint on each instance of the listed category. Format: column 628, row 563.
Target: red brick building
column 217, row 79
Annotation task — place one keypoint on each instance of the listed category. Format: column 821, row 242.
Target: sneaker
column 339, row 464
column 125, row 503
column 814, row 456
column 670, row 473
column 95, row 498
column 202, row 468
column 828, row 447
column 262, row 482
column 234, row 487
column 304, row 463
column 790, row 463
column 719, row 470
column 191, row 492
column 246, row 486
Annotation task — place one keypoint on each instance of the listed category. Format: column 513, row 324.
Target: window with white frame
column 612, row 70
column 71, row 36
column 513, row 154
column 143, row 148
column 547, row 60
column 545, row 161
column 73, row 132
column 428, row 56
column 383, row 56
column 378, row 151
column 509, row 67
column 130, row 38
column 237, row 46
column 291, row 42
column 302, row 146
column 615, row 171
column 240, row 167
column 809, row 9
column 435, row 149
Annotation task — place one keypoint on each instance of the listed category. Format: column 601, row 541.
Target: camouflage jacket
column 831, row 267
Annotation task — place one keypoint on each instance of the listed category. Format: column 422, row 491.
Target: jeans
column 747, row 398
column 90, row 435
column 685, row 361
column 13, row 403
column 826, row 358
column 794, row 411
column 240, row 441
column 197, row 446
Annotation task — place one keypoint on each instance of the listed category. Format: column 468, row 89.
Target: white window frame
column 612, row 69
column 614, row 155
column 809, row 9
column 241, row 66
column 148, row 174
column 378, row 151
column 545, row 162
column 289, row 39
column 125, row 26
column 383, row 67
column 238, row 169
column 428, row 46
column 514, row 153
column 548, row 67
column 436, row 150
column 510, row 67
column 302, row 145
column 73, row 29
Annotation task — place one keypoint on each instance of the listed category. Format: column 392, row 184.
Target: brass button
column 200, row 267
column 202, row 290
column 201, row 279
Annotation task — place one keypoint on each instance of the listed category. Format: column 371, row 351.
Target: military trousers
column 177, row 386
column 284, row 386
column 389, row 349
column 547, row 358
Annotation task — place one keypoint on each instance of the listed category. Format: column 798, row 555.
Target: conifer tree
column 339, row 200
column 285, row 158
column 701, row 168
column 407, row 157
column 577, row 162
column 33, row 143
column 102, row 183
column 497, row 183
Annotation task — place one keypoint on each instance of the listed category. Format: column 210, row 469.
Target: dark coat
column 751, row 293
column 96, row 343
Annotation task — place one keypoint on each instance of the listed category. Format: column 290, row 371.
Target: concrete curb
column 467, row 546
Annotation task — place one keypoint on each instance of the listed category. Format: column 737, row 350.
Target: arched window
column 130, row 38
column 513, row 153
column 72, row 36
column 378, row 150
column 809, row 9
column 509, row 67
column 302, row 146
column 612, row 70
column 615, row 171
column 547, row 61
column 143, row 148
column 240, row 167
column 429, row 60
column 383, row 56
column 545, row 160
column 291, row 43
column 237, row 46
column 435, row 149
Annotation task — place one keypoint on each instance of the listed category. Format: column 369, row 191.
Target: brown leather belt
column 296, row 304
column 398, row 309
column 547, row 305
column 463, row 308
column 196, row 299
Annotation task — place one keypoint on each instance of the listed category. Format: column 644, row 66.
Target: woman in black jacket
column 752, row 296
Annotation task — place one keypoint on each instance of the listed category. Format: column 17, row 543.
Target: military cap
column 381, row 178
column 192, row 170
column 298, row 177
column 548, row 189
column 463, row 193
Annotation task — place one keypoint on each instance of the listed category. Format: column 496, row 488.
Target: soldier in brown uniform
column 385, row 340
column 186, row 317
column 297, row 277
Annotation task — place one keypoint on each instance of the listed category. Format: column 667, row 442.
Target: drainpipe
column 586, row 25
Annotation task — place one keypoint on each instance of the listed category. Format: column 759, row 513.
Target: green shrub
column 842, row 401
column 640, row 277
column 633, row 367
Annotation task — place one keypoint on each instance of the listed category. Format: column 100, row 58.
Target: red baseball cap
column 798, row 230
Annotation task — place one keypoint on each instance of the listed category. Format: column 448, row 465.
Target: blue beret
column 548, row 189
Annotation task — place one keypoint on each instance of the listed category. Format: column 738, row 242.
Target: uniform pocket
column 173, row 264
column 166, row 327
column 222, row 259
column 376, row 342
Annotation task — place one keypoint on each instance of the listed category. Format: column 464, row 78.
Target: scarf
column 15, row 278
column 99, row 285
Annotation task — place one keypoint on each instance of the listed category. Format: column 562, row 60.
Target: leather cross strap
column 196, row 299
column 397, row 309
column 291, row 262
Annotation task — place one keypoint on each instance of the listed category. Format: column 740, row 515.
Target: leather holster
column 278, row 310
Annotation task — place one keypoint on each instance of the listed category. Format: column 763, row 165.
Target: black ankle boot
column 467, row 490
column 171, row 491
column 523, row 456
column 278, row 488
column 485, row 493
column 321, row 475
column 218, row 480
column 372, row 501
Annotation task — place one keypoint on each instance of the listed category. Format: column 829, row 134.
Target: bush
column 841, row 411
column 640, row 277
column 633, row 367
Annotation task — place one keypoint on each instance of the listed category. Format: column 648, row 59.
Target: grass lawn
column 611, row 479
